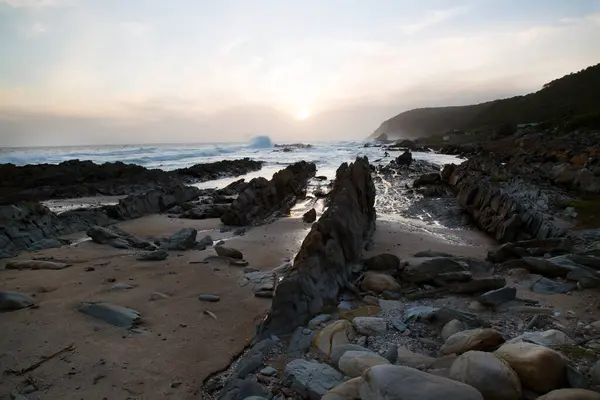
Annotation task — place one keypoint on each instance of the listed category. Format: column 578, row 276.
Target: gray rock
column 318, row 320
column 312, row 379
column 432, row 253
column 301, row 341
column 383, row 262
column 264, row 294
column 239, row 389
column 544, row 285
column 338, row 351
column 209, row 297
column 451, row 328
column 268, row 371
column 205, row 242
column 442, row 315
column 354, row 363
column 120, row 286
column 36, row 264
column 595, row 374
column 117, row 238
column 498, row 297
column 229, row 252
column 423, row 269
column 391, row 354
column 393, row 382
column 183, row 239
column 547, row 338
column 12, row 301
column 115, row 315
column 399, row 325
column 253, row 359
column 157, row 255
column 17, row 396
column 310, row 216
column 370, row 326
column 390, row 305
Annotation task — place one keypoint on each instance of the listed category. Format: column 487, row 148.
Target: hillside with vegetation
column 574, row 98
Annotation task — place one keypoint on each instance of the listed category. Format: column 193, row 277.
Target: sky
column 155, row 71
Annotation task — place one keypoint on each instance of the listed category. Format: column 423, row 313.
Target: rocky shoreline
column 352, row 320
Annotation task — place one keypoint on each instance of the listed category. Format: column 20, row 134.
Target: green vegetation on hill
column 573, row 95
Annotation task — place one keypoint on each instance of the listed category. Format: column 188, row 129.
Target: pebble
column 268, row 371
column 209, row 297
column 158, row 296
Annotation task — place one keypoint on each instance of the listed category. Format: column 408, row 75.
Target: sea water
column 326, row 155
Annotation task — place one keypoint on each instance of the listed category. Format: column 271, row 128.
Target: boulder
column 242, row 389
column 498, row 297
column 183, row 239
column 229, row 252
column 338, row 333
column 539, row 368
column 300, row 341
column 383, row 262
column 310, row 216
column 339, row 351
column 424, row 269
column 157, row 255
column 312, row 379
column 253, row 359
column 392, row 382
column 354, row 363
column 370, row 326
column 549, row 338
column 427, row 179
column 451, row 328
column 325, row 262
column 348, row 390
column 404, row 158
column 12, row 301
column 412, row 359
column 474, row 339
column 494, row 379
column 262, row 198
column 570, row 394
column 115, row 315
column 117, row 238
column 378, row 282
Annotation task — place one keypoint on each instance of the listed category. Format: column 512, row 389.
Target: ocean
column 326, row 155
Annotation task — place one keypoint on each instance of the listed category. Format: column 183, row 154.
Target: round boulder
column 473, row 339
column 488, row 374
column 539, row 368
column 378, row 282
column 571, row 394
column 354, row 363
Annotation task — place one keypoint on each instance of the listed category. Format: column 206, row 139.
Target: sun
column 303, row 114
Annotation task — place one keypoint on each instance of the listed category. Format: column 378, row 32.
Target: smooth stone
column 312, row 379
column 338, row 333
column 268, row 371
column 348, row 390
column 371, row 300
column 339, row 351
column 570, row 394
column 379, row 282
column 412, row 359
column 370, row 326
column 301, row 341
column 209, row 297
column 383, row 262
column 362, row 311
column 115, row 315
column 595, row 326
column 498, row 297
column 318, row 320
column 391, row 354
column 12, row 301
column 551, row 337
column 494, row 379
column 474, row 339
column 121, row 286
column 229, row 252
column 157, row 255
column 451, row 328
column 393, row 382
column 354, row 363
column 399, row 325
column 183, row 239
column 539, row 368
column 205, row 242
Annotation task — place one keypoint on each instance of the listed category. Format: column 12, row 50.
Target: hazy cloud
column 38, row 3
column 433, row 18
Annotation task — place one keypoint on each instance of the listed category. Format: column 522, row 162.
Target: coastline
column 183, row 343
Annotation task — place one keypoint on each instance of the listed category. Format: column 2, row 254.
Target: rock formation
column 262, row 198
column 335, row 242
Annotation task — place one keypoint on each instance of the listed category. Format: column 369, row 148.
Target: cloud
column 135, row 28
column 38, row 3
column 37, row 29
column 432, row 18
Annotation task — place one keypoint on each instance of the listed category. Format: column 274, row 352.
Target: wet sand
column 177, row 346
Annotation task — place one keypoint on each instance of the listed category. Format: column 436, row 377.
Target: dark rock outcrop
column 404, row 158
column 310, row 216
column 263, row 198
column 335, row 242
column 76, row 178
